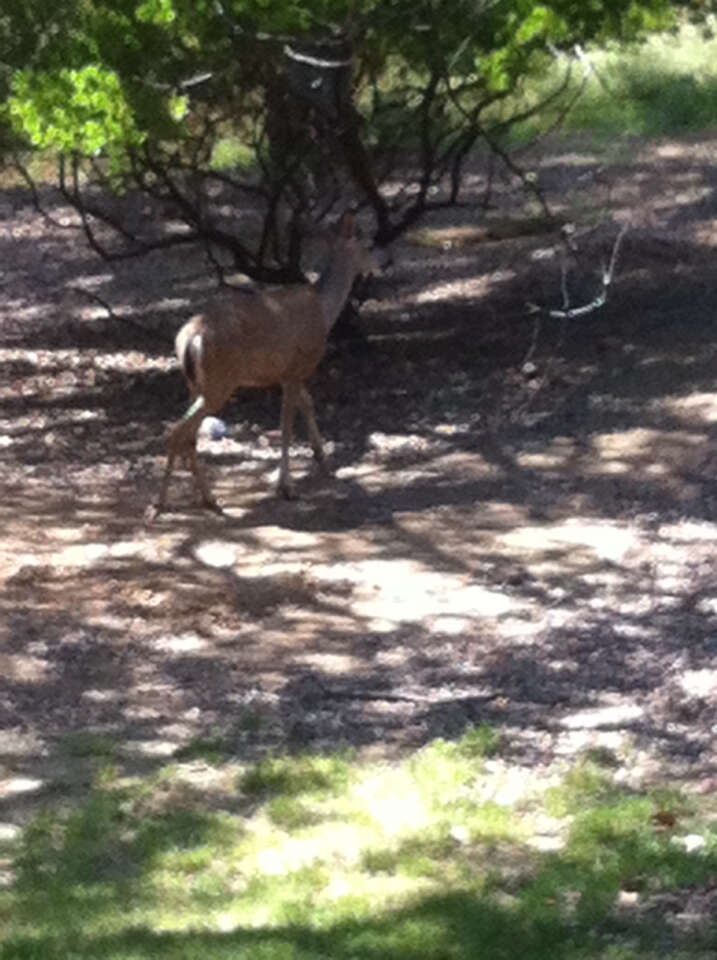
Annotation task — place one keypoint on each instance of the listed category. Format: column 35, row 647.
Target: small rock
column 214, row 428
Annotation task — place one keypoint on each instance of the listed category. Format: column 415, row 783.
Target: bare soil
column 519, row 528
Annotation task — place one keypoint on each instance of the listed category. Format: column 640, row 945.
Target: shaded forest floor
column 519, row 530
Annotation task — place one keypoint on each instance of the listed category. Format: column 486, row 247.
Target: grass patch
column 85, row 743
column 292, row 775
column 212, row 750
column 352, row 860
column 665, row 86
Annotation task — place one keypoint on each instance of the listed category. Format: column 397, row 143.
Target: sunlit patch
column 450, row 625
column 13, row 786
column 151, row 748
column 338, row 664
column 556, row 455
column 694, row 407
column 180, row 643
column 388, row 592
column 645, row 453
column 217, row 553
column 611, row 716
column 22, row 668
column 699, row 683
column 467, row 288
column 395, row 803
column 106, row 695
column 606, row 540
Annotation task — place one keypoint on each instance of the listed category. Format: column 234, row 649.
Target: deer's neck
column 334, row 286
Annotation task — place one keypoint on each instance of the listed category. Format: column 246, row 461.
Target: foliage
column 158, row 96
column 667, row 86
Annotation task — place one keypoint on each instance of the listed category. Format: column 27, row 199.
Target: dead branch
column 571, row 313
column 151, row 334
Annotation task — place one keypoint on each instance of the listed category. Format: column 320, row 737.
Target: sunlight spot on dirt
column 699, row 683
column 605, row 540
column 466, row 288
column 9, row 831
column 603, row 717
column 520, row 631
column 637, row 451
column 695, row 407
column 357, row 471
column 91, row 554
column 16, row 785
column 335, row 663
column 217, row 553
column 169, row 304
column 556, row 455
column 284, row 538
column 180, row 644
column 23, row 669
column 688, row 532
column 92, row 279
column 80, row 555
column 177, row 732
column 389, row 444
column 132, row 361
column 107, row 695
column 393, row 657
column 151, row 748
column 141, row 713
column 387, row 592
column 127, row 548
column 451, row 626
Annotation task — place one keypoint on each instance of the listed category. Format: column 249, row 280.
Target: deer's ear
column 348, row 225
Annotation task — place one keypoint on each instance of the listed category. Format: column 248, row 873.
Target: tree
column 246, row 120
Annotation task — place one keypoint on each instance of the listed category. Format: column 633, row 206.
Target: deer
column 262, row 339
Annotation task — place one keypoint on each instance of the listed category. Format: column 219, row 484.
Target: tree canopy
column 280, row 107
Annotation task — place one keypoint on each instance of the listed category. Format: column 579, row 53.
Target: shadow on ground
column 519, row 530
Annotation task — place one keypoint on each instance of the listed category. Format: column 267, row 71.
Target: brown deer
column 261, row 340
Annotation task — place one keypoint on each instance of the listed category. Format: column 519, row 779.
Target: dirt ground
column 519, row 528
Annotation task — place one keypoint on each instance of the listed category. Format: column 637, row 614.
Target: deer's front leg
column 289, row 399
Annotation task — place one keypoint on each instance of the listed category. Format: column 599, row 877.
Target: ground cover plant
column 447, row 853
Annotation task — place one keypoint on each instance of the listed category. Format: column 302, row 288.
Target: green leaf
column 72, row 110
column 159, row 12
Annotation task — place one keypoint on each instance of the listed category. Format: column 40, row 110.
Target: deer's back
column 258, row 340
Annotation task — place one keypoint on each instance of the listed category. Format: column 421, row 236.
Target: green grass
column 329, row 856
column 85, row 743
column 664, row 87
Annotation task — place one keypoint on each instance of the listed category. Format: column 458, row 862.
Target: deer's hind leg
column 182, row 443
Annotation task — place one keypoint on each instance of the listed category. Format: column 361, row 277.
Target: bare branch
column 151, row 334
column 37, row 203
column 572, row 313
